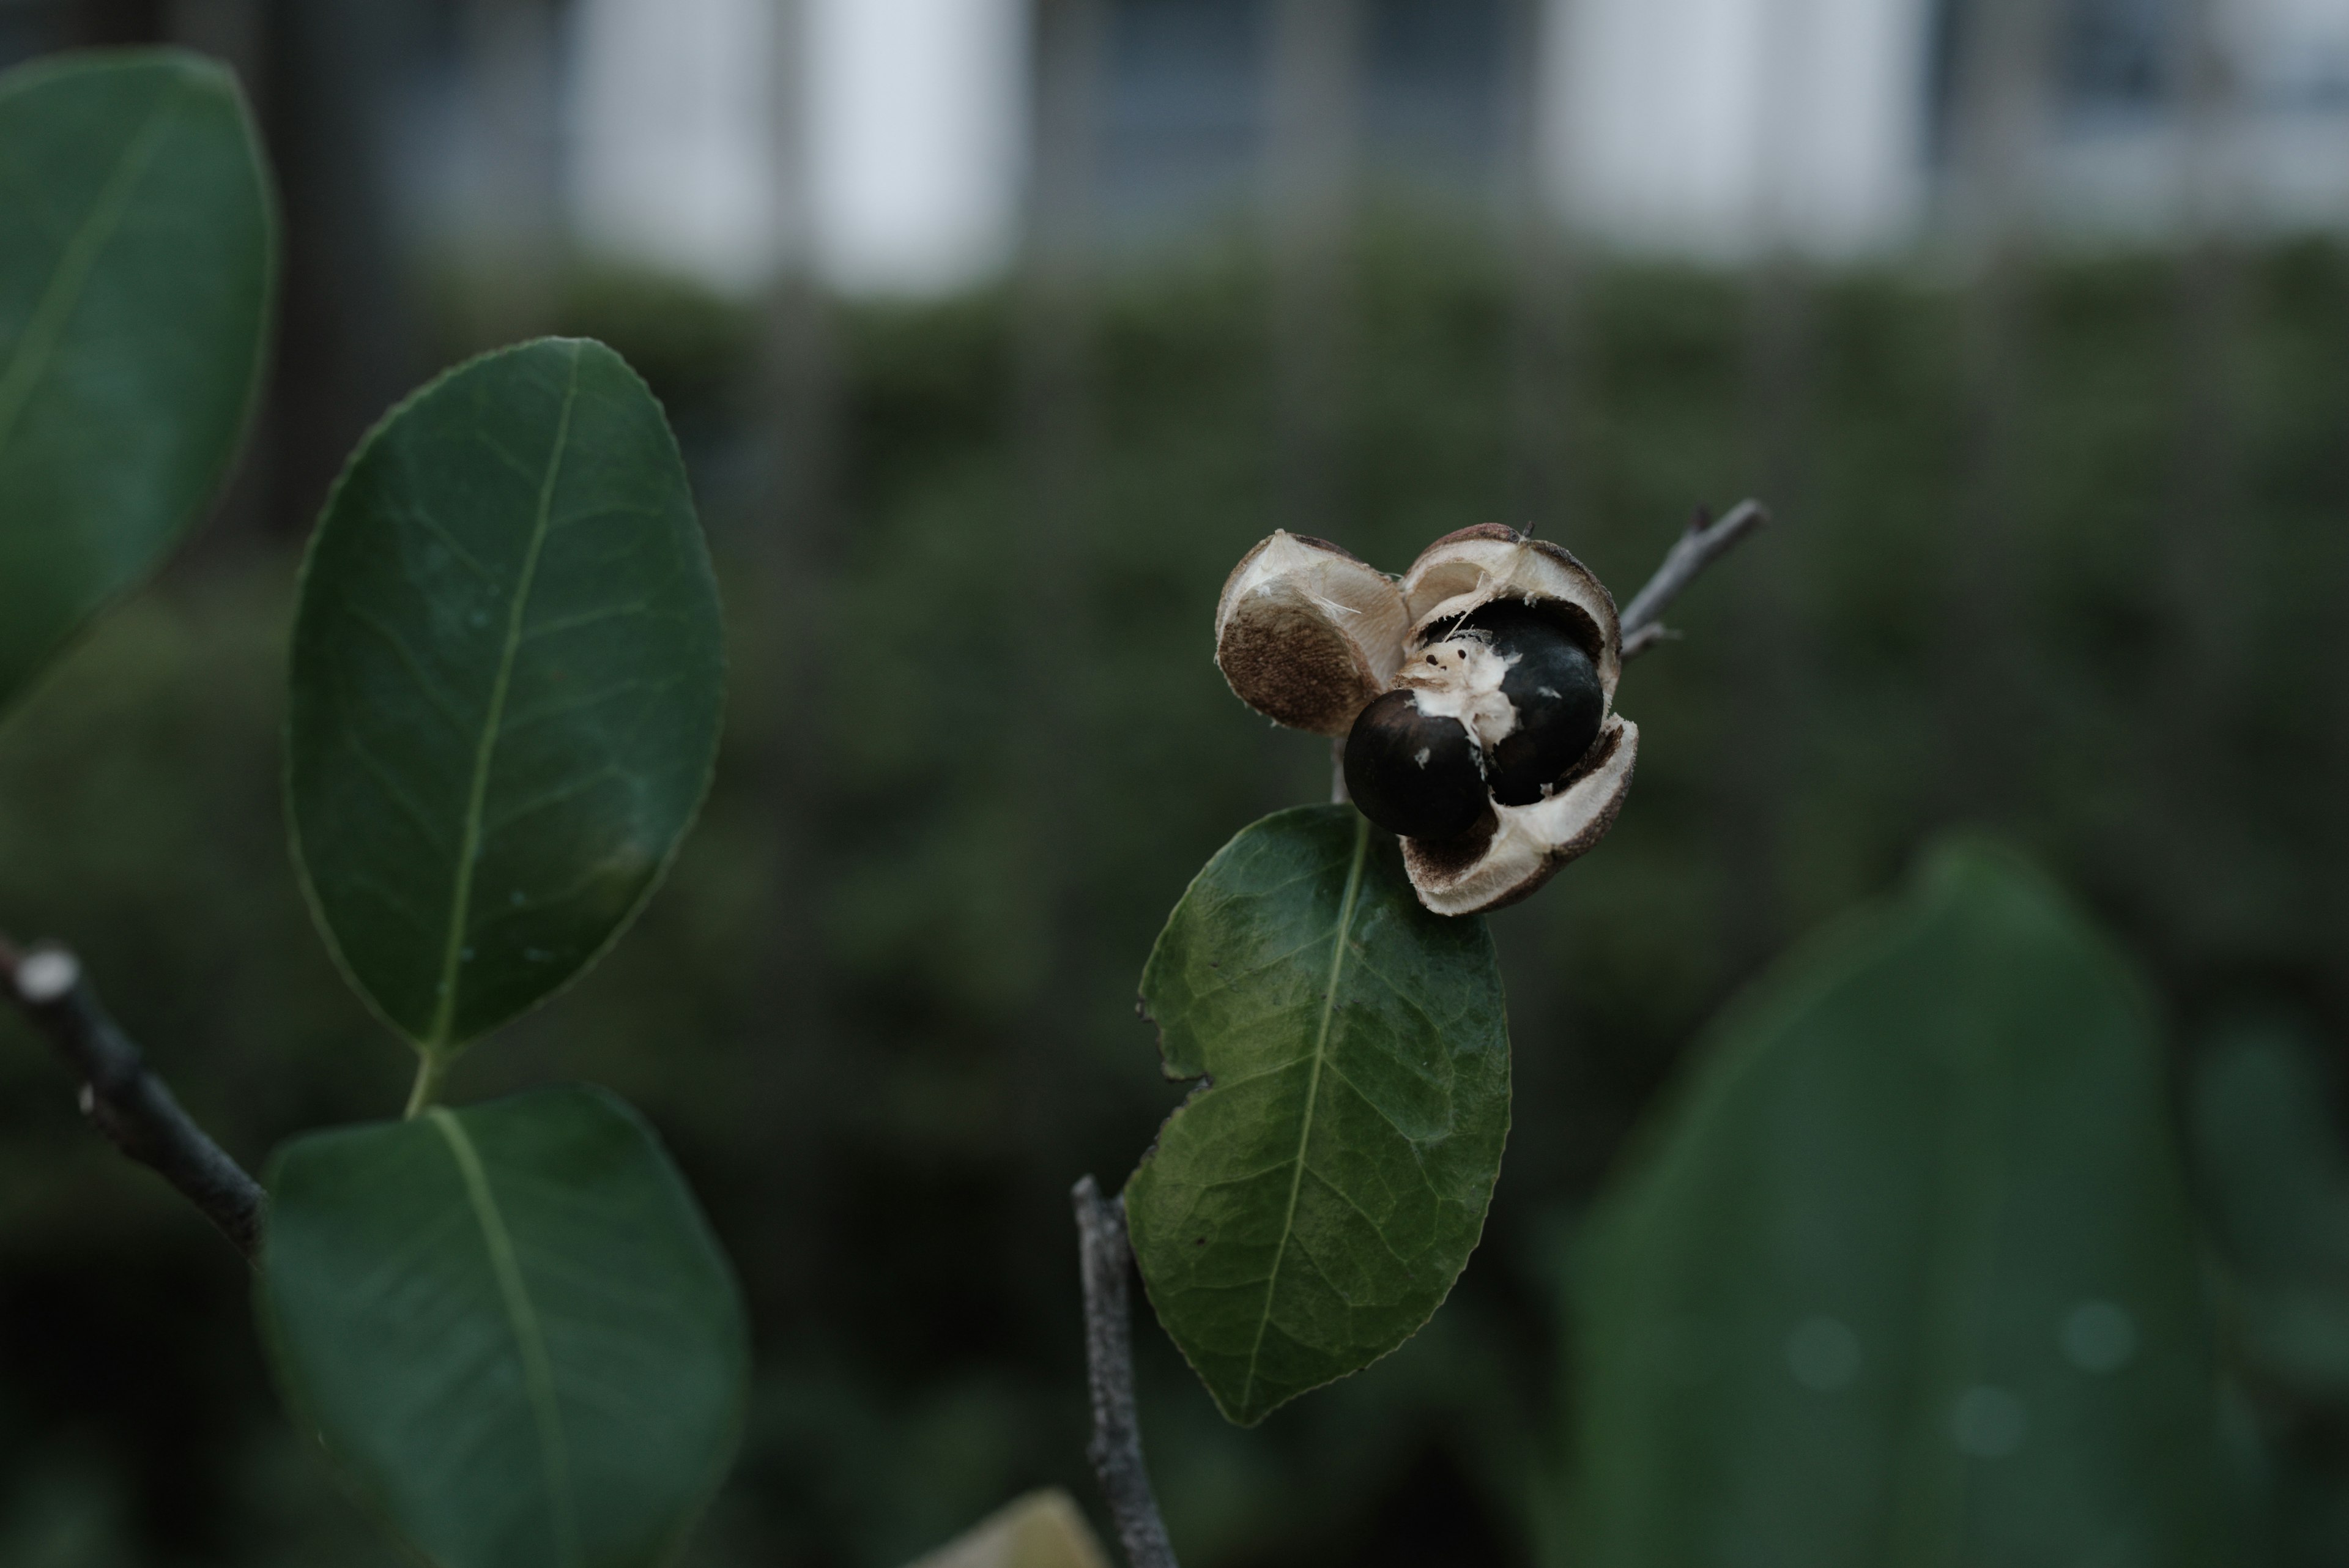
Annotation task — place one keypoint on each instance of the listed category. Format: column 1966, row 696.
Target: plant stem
column 432, row 1072
column 126, row 1102
column 1705, row 541
column 1116, row 1446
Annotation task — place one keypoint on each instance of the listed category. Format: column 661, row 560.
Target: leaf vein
column 393, row 638
column 1312, row 1093
column 400, row 795
column 45, row 328
column 528, row 1331
column 460, row 903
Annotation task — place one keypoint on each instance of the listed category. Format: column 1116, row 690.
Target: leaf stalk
column 431, row 1073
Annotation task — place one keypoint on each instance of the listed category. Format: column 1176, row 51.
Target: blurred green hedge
column 978, row 748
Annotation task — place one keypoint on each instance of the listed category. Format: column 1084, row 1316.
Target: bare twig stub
column 1117, row 1447
column 126, row 1102
column 1706, row 540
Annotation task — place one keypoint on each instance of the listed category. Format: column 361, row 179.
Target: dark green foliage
column 506, row 683
column 512, row 1328
column 1308, row 1210
column 1905, row 1275
column 895, row 977
column 2275, row 1179
column 137, row 253
column 508, row 1323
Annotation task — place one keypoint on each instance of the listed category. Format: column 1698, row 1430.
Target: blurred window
column 1183, row 109
column 1185, row 115
column 2118, row 57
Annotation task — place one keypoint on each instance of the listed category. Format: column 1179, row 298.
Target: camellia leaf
column 136, row 258
column 1907, row 1276
column 511, row 1327
column 1309, row 1207
column 506, row 682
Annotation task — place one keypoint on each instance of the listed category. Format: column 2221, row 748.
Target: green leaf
column 1906, row 1275
column 507, row 674
column 137, row 258
column 1311, row 1205
column 511, row 1327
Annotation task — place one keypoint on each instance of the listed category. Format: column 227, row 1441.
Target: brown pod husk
column 1306, row 634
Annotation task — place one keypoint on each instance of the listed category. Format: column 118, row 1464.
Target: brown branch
column 1705, row 541
column 125, row 1101
column 1116, row 1446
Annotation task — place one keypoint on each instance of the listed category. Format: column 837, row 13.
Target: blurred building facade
column 886, row 145
column 1716, row 128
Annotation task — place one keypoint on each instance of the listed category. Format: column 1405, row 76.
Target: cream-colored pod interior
column 1462, row 571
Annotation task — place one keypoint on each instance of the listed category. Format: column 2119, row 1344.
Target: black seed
column 1412, row 773
column 1554, row 687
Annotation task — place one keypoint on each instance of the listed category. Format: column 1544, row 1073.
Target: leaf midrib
column 1312, row 1099
column 1923, row 1525
column 444, row 1015
column 530, row 1333
column 45, row 329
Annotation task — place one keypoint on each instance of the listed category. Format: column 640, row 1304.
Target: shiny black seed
column 1412, row 773
column 1554, row 687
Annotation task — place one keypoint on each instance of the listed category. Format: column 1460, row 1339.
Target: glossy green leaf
column 1906, row 1274
column 1309, row 1207
column 511, row 1327
column 506, row 682
column 137, row 251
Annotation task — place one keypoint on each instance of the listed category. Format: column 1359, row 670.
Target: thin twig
column 1117, row 1447
column 125, row 1101
column 1705, row 541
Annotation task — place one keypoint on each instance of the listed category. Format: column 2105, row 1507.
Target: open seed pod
column 1308, row 634
column 1477, row 698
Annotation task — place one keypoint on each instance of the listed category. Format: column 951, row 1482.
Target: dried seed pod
column 1306, row 634
column 1497, row 577
column 1476, row 696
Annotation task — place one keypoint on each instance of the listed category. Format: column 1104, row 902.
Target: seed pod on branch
column 1476, row 696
